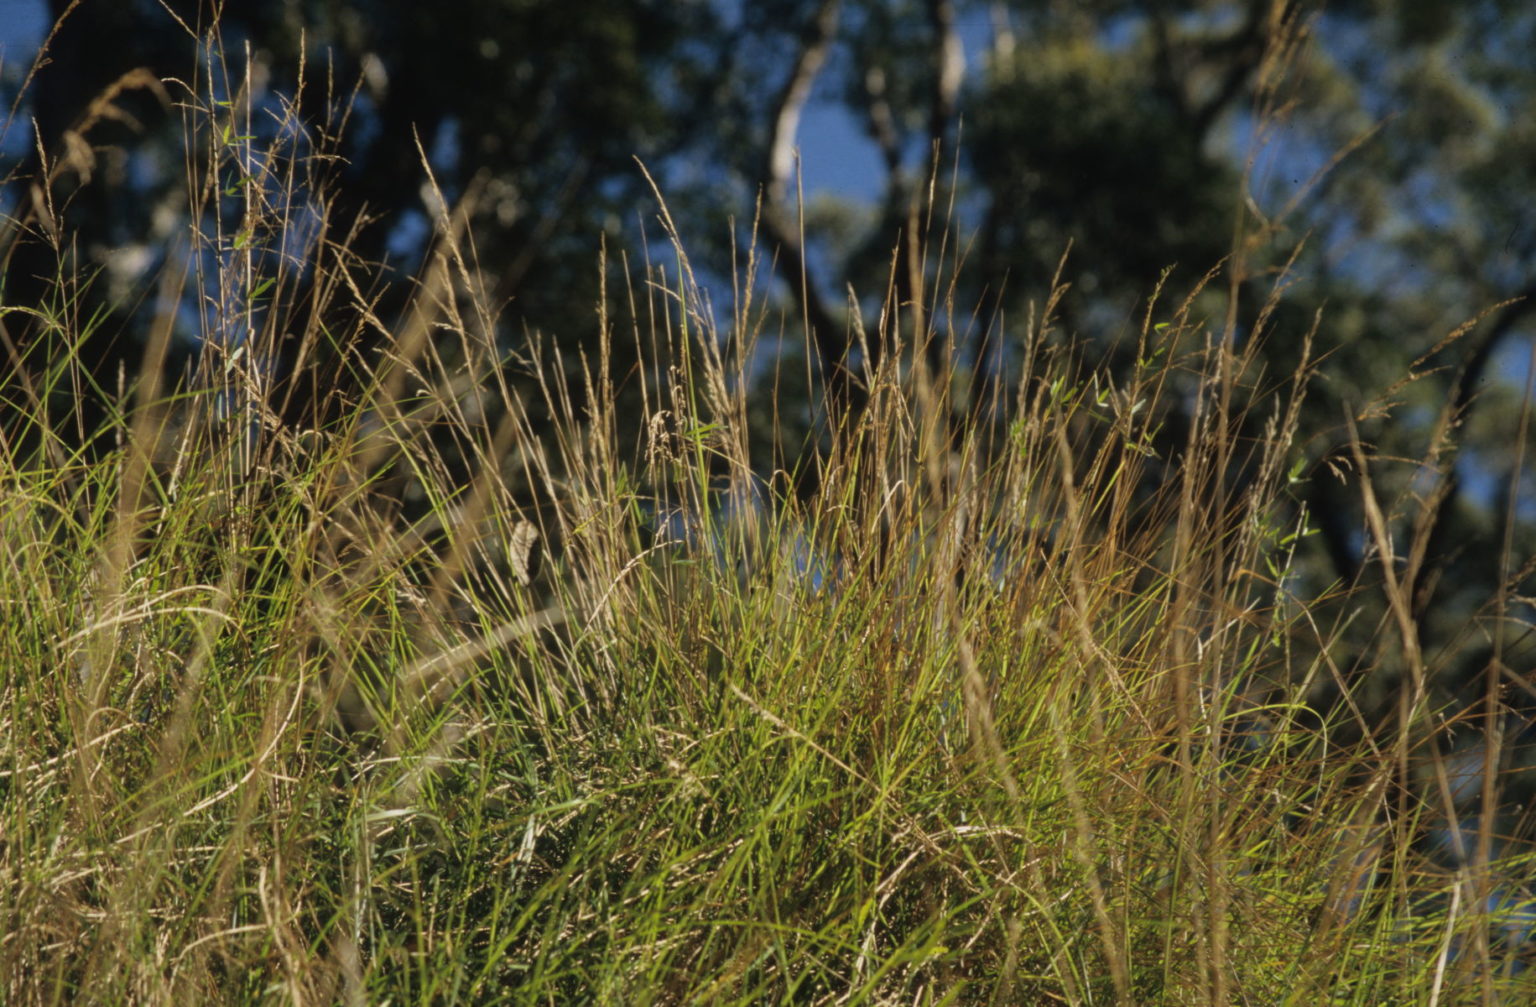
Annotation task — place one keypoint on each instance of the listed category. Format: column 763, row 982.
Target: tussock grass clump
column 968, row 696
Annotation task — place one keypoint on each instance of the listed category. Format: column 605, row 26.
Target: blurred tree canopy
column 1378, row 159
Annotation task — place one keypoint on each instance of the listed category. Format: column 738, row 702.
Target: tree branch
column 1244, row 48
column 948, row 70
column 830, row 337
column 815, row 43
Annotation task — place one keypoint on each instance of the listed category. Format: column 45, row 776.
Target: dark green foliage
column 1071, row 148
